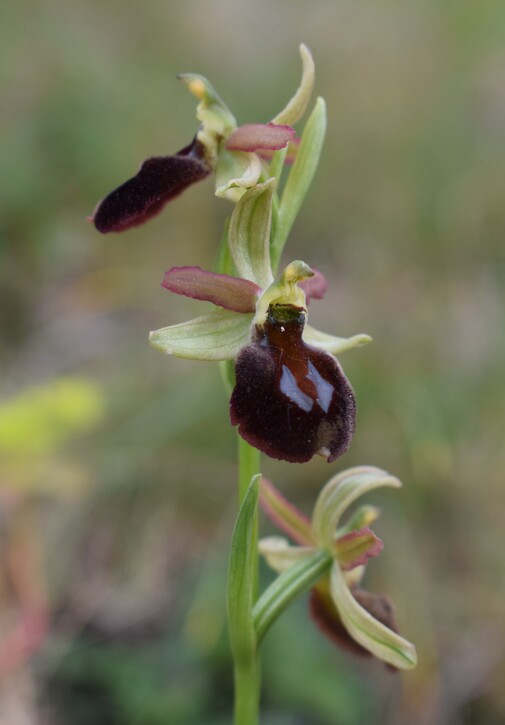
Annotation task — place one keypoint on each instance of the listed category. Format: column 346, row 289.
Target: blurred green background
column 117, row 491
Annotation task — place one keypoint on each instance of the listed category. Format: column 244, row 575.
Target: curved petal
column 219, row 335
column 295, row 108
column 279, row 554
column 340, row 492
column 331, row 343
column 232, row 293
column 368, row 631
column 159, row 180
column 260, row 136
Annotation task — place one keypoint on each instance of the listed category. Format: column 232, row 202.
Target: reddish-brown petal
column 291, row 400
column 232, row 293
column 355, row 548
column 260, row 136
column 285, row 515
column 293, row 147
column 159, row 180
column 314, row 287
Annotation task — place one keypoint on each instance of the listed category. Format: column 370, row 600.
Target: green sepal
column 280, row 555
column 296, row 107
column 220, row 335
column 339, row 493
column 368, row 631
column 300, row 177
column 289, row 585
column 249, row 234
column 241, row 577
column 331, row 343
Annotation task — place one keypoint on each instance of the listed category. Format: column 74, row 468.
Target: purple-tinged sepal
column 260, row 137
column 232, row 293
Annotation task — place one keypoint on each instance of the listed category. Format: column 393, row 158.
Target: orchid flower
column 291, row 398
column 234, row 152
column 350, row 616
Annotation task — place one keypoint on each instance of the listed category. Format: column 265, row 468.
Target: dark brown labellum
column 159, row 180
column 291, row 400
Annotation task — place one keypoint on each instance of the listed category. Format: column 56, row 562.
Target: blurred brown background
column 118, row 464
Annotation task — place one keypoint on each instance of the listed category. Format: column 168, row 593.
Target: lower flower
column 353, row 618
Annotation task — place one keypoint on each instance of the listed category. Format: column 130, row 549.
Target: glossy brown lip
column 159, row 180
column 291, row 400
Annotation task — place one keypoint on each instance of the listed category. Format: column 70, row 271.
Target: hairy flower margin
column 353, row 618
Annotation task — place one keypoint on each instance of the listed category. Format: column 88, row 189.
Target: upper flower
column 234, row 153
column 355, row 619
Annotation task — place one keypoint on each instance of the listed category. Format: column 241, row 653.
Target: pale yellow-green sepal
column 279, row 554
column 220, row 335
column 249, row 234
column 340, row 492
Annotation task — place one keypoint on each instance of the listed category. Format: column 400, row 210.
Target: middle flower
column 291, row 398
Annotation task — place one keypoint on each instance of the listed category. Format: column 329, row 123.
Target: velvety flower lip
column 159, row 180
column 291, row 400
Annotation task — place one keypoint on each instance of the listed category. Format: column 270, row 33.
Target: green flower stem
column 248, row 466
column 247, row 674
column 287, row 587
column 247, row 693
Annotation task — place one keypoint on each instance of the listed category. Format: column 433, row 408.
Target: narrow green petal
column 300, row 177
column 279, row 553
column 340, row 492
column 219, row 335
column 295, row 108
column 369, row 632
column 331, row 343
column 249, row 234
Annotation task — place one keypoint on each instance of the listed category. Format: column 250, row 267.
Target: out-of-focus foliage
column 112, row 599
